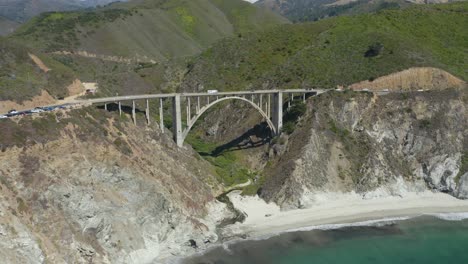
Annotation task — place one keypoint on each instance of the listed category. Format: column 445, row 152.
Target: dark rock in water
column 193, row 243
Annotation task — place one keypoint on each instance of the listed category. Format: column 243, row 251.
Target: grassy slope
column 155, row 29
column 300, row 10
column 21, row 79
column 7, row 26
column 332, row 51
column 147, row 30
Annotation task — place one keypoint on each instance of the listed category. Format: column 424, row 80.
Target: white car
column 212, row 91
column 3, row 116
column 37, row 110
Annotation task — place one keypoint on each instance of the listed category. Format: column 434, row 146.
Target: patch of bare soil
column 412, row 79
column 43, row 99
column 76, row 89
column 39, row 62
column 341, row 2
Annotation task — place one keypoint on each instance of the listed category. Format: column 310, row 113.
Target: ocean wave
column 375, row 223
column 451, row 216
column 378, row 222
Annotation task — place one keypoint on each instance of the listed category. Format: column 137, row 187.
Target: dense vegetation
column 134, row 47
column 228, row 164
column 338, row 51
column 59, row 30
column 135, row 29
column 21, row 79
column 304, row 10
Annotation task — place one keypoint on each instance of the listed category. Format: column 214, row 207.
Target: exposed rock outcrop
column 101, row 191
column 362, row 142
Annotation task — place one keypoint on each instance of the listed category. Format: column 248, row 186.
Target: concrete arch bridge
column 269, row 103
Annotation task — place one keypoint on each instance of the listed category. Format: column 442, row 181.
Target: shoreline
column 264, row 220
column 267, row 219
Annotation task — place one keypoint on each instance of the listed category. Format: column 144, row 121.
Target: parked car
column 3, row 116
column 212, row 91
column 48, row 108
column 37, row 110
column 13, row 112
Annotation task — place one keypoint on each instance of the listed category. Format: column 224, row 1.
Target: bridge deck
column 170, row 95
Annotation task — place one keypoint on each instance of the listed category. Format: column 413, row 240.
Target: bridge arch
column 208, row 106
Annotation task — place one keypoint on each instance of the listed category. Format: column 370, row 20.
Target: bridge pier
column 134, row 113
column 161, row 115
column 120, row 108
column 278, row 112
column 177, row 121
column 147, row 112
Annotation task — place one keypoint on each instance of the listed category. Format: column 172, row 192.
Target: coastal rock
column 463, row 186
column 385, row 145
column 91, row 196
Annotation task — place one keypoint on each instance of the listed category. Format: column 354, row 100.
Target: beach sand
column 264, row 219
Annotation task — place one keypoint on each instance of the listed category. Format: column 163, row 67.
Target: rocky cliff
column 88, row 186
column 85, row 187
column 373, row 145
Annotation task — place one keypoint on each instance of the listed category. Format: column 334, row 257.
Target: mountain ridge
column 157, row 30
column 337, row 51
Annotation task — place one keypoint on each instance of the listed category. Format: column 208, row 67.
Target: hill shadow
column 113, row 107
column 255, row 137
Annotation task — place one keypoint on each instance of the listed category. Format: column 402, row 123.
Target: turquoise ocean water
column 418, row 240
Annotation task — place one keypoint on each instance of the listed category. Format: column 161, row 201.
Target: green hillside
column 338, row 51
column 146, row 30
column 21, row 79
column 305, row 10
column 7, row 26
column 154, row 38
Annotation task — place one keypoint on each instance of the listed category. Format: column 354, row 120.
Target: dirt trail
column 39, row 62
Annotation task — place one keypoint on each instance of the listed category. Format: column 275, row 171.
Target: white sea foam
column 451, row 216
column 378, row 222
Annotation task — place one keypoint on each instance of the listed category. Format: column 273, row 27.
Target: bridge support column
column 261, row 102
column 120, row 108
column 189, row 112
column 105, row 107
column 177, row 121
column 147, row 112
column 134, row 112
column 269, row 106
column 161, row 115
column 278, row 112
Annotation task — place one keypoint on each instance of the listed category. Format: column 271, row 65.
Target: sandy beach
column 264, row 219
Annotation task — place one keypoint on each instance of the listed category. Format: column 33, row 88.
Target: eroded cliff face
column 374, row 145
column 94, row 189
